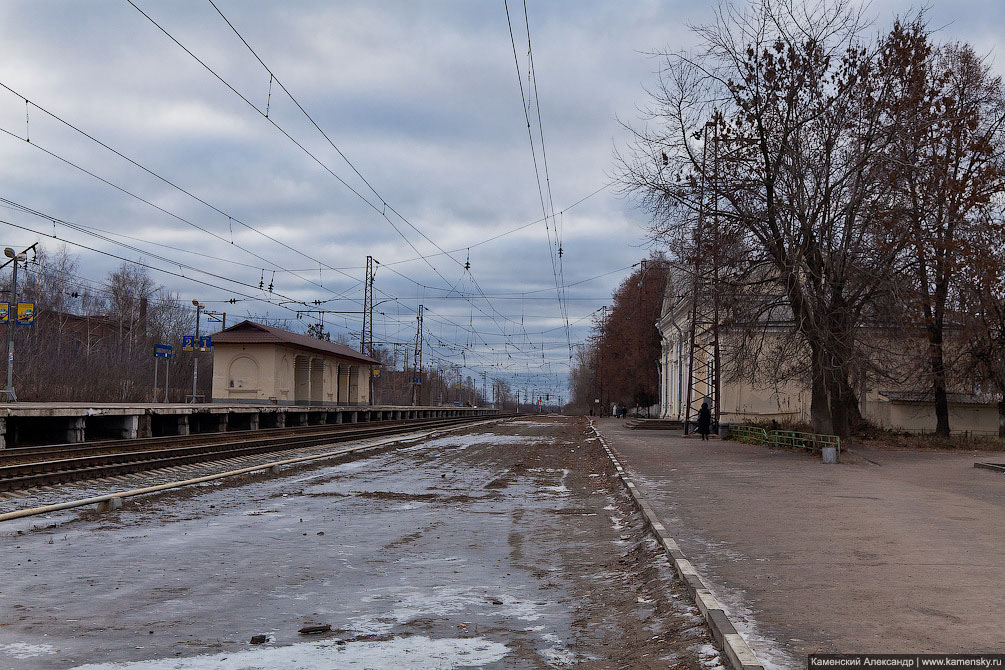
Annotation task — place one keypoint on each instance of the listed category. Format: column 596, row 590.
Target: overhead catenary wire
column 380, row 210
column 164, row 180
column 532, row 71
column 384, row 205
column 530, row 137
column 476, row 295
column 381, row 198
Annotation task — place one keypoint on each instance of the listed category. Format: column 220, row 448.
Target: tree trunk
column 938, row 367
column 1001, row 418
column 839, row 408
column 820, row 415
column 855, row 418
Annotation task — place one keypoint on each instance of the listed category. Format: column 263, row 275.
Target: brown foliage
column 620, row 365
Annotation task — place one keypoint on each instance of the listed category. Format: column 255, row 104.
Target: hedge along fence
column 790, row 439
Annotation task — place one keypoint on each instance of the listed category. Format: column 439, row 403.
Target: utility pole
column 366, row 337
column 195, row 348
column 417, row 367
column 12, row 319
column 600, row 361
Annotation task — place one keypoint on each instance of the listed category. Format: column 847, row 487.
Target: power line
column 547, row 178
column 145, row 265
column 384, row 203
column 161, row 178
column 384, row 206
column 533, row 152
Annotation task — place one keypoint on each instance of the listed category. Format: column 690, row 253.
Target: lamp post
column 195, row 357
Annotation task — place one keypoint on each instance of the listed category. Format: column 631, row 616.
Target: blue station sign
column 163, row 351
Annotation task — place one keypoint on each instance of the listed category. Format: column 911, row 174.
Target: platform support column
column 144, row 426
column 3, row 433
column 75, row 429
column 280, row 419
column 182, row 424
column 130, row 427
column 222, row 423
column 253, row 421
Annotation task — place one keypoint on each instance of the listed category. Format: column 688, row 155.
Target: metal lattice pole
column 366, row 337
column 417, row 362
column 703, row 348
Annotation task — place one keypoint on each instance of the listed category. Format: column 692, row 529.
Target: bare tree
column 775, row 130
column 949, row 165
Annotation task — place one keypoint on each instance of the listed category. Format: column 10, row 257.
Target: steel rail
column 108, row 497
column 11, row 453
column 27, row 475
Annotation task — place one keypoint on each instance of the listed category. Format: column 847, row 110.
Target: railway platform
column 889, row 551
column 27, row 423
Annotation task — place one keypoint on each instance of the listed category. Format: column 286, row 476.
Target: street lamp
column 195, row 365
column 11, row 319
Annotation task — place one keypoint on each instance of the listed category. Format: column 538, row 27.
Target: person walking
column 704, row 421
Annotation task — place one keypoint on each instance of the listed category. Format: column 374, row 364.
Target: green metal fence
column 790, row 439
column 748, row 434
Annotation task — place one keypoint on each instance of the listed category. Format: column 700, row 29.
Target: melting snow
column 410, row 652
column 461, row 442
column 24, row 650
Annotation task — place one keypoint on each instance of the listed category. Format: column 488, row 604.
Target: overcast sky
column 423, row 100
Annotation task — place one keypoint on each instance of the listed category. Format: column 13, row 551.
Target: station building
column 255, row 363
column 752, row 396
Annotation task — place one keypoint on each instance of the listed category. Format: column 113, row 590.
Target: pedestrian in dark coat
column 704, row 421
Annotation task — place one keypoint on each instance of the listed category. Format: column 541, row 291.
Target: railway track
column 27, row 454
column 102, row 459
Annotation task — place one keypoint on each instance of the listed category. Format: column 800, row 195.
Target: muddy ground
column 510, row 545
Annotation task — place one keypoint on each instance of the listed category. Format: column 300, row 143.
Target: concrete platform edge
column 738, row 653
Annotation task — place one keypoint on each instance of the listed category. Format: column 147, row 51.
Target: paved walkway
column 906, row 554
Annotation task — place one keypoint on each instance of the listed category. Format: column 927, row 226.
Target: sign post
column 165, row 351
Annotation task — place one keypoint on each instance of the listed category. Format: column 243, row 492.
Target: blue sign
column 415, row 380
column 163, row 351
column 187, row 342
column 205, row 342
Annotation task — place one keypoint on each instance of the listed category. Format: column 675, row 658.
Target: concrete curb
column 738, row 653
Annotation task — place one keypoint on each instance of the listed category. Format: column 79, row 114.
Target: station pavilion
column 256, row 363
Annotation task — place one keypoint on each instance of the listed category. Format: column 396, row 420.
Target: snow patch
column 445, row 601
column 461, row 442
column 709, row 656
column 559, row 656
column 408, row 652
column 25, row 650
